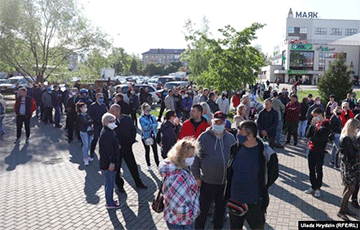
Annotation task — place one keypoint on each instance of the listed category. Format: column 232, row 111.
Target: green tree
column 233, row 61
column 152, row 69
column 134, row 65
column 37, row 36
column 195, row 56
column 120, row 60
column 172, row 67
column 336, row 80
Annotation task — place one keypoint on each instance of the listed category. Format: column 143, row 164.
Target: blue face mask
column 49, row 91
column 101, row 100
column 241, row 139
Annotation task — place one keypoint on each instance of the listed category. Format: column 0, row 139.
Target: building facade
column 162, row 56
column 308, row 45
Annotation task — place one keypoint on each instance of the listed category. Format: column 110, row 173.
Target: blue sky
column 138, row 25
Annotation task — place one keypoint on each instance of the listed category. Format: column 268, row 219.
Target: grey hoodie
column 211, row 161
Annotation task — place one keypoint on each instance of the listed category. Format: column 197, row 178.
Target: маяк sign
column 306, row 14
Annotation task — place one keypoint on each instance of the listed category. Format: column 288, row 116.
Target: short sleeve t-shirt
column 245, row 186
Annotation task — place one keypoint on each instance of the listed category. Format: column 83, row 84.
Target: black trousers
column 316, row 162
column 355, row 194
column 19, row 123
column 208, row 194
column 48, row 114
column 147, row 153
column 162, row 108
column 133, row 116
column 71, row 126
column 292, row 129
column 255, row 217
column 128, row 156
column 97, row 130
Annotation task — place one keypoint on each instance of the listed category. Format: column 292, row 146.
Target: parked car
column 6, row 86
column 172, row 84
column 164, row 79
column 21, row 80
column 154, row 94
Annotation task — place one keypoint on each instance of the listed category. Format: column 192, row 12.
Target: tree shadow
column 17, row 157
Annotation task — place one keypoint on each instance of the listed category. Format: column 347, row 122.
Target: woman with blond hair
column 180, row 190
column 241, row 112
column 350, row 164
column 207, row 114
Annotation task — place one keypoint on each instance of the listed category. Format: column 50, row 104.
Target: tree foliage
column 336, row 80
column 233, row 61
column 38, row 36
column 195, row 56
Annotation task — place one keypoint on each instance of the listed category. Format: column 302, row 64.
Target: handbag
column 90, row 131
column 158, row 202
column 237, row 209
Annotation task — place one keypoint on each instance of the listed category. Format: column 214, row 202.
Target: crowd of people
column 207, row 160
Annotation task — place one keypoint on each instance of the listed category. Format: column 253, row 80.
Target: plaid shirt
column 181, row 195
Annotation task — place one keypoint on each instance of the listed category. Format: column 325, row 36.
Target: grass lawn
column 304, row 93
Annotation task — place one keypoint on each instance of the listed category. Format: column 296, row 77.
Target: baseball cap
column 219, row 116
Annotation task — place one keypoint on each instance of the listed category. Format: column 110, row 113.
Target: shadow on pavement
column 17, row 157
column 115, row 220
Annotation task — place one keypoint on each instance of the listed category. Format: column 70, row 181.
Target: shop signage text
column 291, row 72
column 301, row 47
column 306, row 14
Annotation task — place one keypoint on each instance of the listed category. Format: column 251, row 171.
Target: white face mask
column 73, row 93
column 318, row 102
column 189, row 161
column 112, row 126
column 218, row 128
column 84, row 110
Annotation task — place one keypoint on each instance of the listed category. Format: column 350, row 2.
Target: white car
column 6, row 86
column 152, row 91
column 22, row 81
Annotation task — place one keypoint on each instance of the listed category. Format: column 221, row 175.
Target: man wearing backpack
column 252, row 169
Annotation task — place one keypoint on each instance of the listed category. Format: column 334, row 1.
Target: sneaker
column 86, row 162
column 149, row 168
column 27, row 141
column 343, row 216
column 17, row 141
column 115, row 205
column 309, row 191
column 90, row 159
column 317, row 193
column 58, row 126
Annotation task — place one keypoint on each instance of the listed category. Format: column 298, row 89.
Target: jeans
column 86, row 139
column 57, row 115
column 109, row 186
column 19, row 122
column 176, row 227
column 316, row 162
column 279, row 130
column 336, row 148
column 208, row 194
column 97, row 130
column 255, row 217
column 302, row 128
column 1, row 125
column 147, row 153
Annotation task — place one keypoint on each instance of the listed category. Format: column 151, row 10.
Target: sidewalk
column 44, row 185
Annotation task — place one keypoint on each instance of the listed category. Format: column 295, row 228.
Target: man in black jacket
column 96, row 111
column 252, row 169
column 125, row 108
column 169, row 132
column 108, row 150
column 57, row 99
column 318, row 133
column 126, row 135
column 212, row 104
column 71, row 112
column 267, row 123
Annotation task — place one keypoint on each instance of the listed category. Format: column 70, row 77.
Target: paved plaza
column 44, row 185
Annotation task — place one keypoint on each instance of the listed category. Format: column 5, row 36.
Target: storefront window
column 326, row 57
column 301, row 60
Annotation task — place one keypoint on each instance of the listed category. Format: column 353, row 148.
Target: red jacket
column 188, row 128
column 344, row 118
column 292, row 112
column 30, row 106
column 236, row 100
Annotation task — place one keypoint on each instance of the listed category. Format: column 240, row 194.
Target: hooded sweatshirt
column 181, row 194
column 211, row 161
